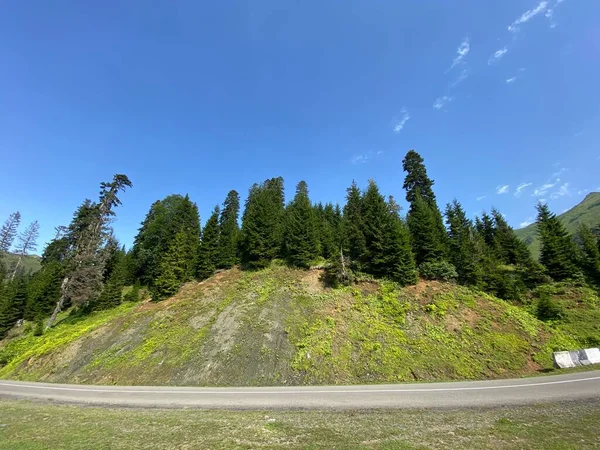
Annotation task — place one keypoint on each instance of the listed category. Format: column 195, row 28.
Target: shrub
column 549, row 309
column 39, row 327
column 438, row 270
column 133, row 295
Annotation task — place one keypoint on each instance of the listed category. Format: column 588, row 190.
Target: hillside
column 30, row 263
column 587, row 212
column 280, row 326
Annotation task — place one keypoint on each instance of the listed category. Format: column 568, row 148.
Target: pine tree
column 229, row 231
column 353, row 225
column 463, row 252
column 165, row 219
column 13, row 307
column 114, row 278
column 208, row 258
column 558, row 251
column 262, row 224
column 424, row 219
column 8, row 232
column 590, row 254
column 172, row 269
column 428, row 245
column 328, row 229
column 387, row 243
column 87, row 258
column 301, row 238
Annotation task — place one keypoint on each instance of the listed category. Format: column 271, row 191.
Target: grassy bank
column 282, row 326
column 27, row 425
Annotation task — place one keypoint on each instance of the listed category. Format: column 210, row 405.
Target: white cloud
column 502, row 189
column 481, row 198
column 462, row 51
column 559, row 172
column 511, row 80
column 462, row 77
column 527, row 16
column 497, row 55
column 520, row 188
column 440, row 102
column 562, row 191
column 365, row 157
column 400, row 125
column 360, row 159
column 543, row 189
column 582, row 191
column 526, row 222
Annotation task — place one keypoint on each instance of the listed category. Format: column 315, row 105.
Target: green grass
column 586, row 212
column 28, row 425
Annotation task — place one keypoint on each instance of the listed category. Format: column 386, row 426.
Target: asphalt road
column 558, row 388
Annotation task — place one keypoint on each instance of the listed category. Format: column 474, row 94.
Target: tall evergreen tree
column 590, row 254
column 463, row 252
column 229, row 231
column 209, row 246
column 166, row 218
column 262, row 224
column 558, row 250
column 173, row 268
column 353, row 226
column 429, row 243
column 87, row 259
column 301, row 238
column 387, row 243
column 13, row 307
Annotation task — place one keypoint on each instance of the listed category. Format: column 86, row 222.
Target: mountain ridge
column 587, row 212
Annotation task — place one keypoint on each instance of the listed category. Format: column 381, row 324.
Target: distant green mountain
column 587, row 212
column 31, row 263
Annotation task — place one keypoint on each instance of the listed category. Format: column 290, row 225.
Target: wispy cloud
column 400, row 124
column 497, row 55
column 527, row 16
column 526, row 222
column 544, row 188
column 502, row 189
column 365, row 157
column 462, row 77
column 582, row 191
column 461, row 52
column 563, row 190
column 511, row 80
column 559, row 172
column 520, row 188
column 442, row 101
column 481, row 197
column 360, row 159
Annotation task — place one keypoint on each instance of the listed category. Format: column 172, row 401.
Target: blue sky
column 500, row 97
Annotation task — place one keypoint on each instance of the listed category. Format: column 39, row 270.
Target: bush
column 39, row 327
column 438, row 270
column 549, row 309
column 133, row 295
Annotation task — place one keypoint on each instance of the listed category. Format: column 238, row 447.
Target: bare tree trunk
column 12, row 277
column 59, row 303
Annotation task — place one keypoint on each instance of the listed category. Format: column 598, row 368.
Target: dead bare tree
column 27, row 243
column 8, row 232
column 83, row 282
